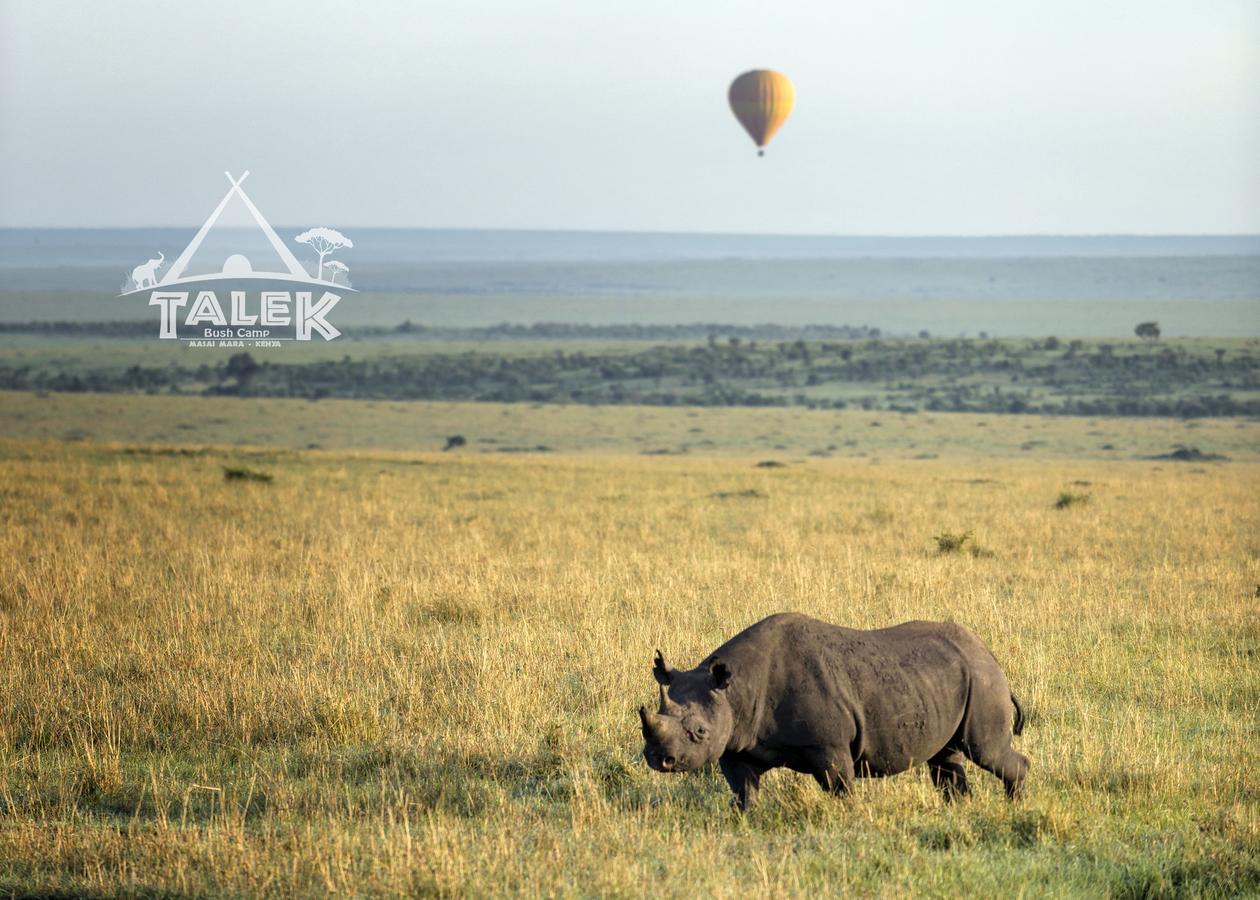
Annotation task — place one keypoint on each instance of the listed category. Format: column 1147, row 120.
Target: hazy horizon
column 1070, row 286
column 1032, row 235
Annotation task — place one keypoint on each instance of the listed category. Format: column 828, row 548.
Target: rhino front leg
column 948, row 775
column 744, row 778
column 835, row 776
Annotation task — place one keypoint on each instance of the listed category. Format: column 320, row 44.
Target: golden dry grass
column 388, row 673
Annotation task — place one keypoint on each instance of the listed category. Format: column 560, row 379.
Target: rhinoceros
column 837, row 703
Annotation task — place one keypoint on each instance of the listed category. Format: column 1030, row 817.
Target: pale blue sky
column 913, row 116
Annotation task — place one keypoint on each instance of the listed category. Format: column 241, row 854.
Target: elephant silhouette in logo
column 146, row 275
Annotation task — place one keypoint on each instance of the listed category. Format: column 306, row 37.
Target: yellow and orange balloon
column 762, row 100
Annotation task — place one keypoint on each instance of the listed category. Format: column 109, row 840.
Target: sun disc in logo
column 237, row 264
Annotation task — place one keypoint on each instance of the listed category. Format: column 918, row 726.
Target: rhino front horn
column 649, row 722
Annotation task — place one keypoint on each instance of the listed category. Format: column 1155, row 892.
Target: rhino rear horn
column 662, row 671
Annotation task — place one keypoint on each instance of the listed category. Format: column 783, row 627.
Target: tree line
column 1051, row 376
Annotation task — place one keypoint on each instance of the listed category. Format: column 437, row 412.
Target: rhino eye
column 698, row 734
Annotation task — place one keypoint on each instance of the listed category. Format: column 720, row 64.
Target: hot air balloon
column 762, row 100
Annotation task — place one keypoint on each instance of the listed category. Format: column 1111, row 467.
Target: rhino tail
column 1018, row 727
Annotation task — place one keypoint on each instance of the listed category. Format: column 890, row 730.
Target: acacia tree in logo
column 323, row 241
column 337, row 267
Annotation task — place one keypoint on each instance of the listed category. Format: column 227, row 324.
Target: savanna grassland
column 390, row 671
column 791, row 433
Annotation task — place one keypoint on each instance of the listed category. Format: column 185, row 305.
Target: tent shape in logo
column 237, row 266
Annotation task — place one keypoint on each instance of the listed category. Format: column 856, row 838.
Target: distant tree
column 242, row 367
column 323, row 241
column 1148, row 331
column 1052, row 343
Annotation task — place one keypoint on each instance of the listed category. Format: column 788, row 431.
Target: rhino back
column 892, row 697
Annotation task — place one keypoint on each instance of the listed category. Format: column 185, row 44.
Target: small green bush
column 960, row 542
column 1068, row 498
column 243, row 474
column 949, row 542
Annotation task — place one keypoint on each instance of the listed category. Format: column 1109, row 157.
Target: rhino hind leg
column 947, row 773
column 986, row 739
column 1004, row 762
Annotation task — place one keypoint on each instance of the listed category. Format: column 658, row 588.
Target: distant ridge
column 118, row 247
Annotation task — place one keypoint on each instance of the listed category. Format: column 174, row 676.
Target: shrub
column 949, row 542
column 243, row 474
column 1068, row 498
column 960, row 542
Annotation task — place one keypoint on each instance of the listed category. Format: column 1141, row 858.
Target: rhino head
column 694, row 722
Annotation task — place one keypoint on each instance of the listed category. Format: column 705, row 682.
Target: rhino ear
column 661, row 670
column 720, row 674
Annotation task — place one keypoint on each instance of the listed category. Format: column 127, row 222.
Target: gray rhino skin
column 838, row 703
